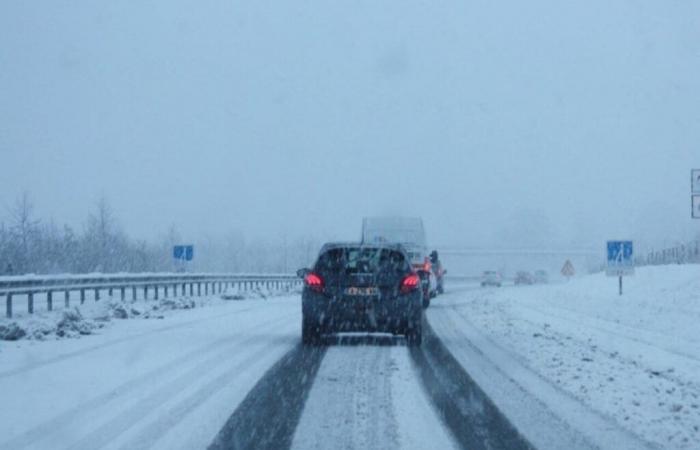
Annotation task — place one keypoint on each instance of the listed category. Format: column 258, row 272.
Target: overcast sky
column 573, row 121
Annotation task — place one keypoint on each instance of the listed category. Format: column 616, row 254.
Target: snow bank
column 634, row 358
column 86, row 319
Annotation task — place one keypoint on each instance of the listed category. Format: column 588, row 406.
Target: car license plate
column 361, row 291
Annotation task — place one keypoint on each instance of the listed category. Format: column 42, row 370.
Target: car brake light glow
column 409, row 283
column 314, row 281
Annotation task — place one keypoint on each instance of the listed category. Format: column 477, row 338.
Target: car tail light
column 314, row 282
column 409, row 283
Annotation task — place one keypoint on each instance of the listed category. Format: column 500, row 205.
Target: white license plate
column 361, row 291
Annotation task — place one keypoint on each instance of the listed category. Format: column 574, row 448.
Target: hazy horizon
column 527, row 124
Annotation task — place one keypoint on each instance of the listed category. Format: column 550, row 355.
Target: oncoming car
column 356, row 287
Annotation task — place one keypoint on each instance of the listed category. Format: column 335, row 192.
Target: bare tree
column 23, row 231
column 104, row 243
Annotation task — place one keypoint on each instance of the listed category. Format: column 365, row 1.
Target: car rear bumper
column 338, row 314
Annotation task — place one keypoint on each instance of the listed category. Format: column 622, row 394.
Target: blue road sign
column 183, row 252
column 620, row 258
column 695, row 181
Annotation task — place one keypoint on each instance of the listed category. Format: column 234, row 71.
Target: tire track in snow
column 74, row 354
column 550, row 417
column 474, row 420
column 268, row 416
column 169, row 419
column 45, row 429
column 136, row 413
column 200, row 355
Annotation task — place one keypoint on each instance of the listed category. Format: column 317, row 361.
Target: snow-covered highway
column 549, row 367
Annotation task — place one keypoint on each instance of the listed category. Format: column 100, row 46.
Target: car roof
column 389, row 246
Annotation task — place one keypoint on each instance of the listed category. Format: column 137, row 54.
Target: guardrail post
column 184, row 290
column 155, row 289
column 122, row 291
column 199, row 289
column 66, row 299
column 133, row 293
column 145, row 292
column 206, row 288
column 82, row 296
column 97, row 294
column 30, row 303
column 49, row 301
column 165, row 291
column 191, row 289
column 110, row 291
column 8, row 306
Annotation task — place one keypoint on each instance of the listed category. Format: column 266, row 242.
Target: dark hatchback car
column 361, row 288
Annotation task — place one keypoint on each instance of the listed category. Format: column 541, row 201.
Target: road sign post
column 695, row 193
column 620, row 260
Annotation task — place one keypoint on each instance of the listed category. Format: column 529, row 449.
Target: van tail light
column 314, row 282
column 410, row 283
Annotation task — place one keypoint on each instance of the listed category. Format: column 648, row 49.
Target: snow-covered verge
column 144, row 384
column 633, row 359
column 92, row 316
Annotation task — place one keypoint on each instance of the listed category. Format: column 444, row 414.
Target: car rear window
column 362, row 260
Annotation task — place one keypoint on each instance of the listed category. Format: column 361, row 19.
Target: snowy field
column 610, row 369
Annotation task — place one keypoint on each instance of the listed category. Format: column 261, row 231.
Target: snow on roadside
column 92, row 316
column 634, row 358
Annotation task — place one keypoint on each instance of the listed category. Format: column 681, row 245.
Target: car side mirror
column 301, row 273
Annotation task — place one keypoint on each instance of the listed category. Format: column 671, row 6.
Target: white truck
column 410, row 233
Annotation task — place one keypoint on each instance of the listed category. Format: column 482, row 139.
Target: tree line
column 29, row 245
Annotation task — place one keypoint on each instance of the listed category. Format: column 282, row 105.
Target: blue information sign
column 620, row 258
column 183, row 252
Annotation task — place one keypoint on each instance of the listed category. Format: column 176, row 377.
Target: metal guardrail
column 196, row 284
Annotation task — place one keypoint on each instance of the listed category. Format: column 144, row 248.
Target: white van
column 407, row 231
column 410, row 233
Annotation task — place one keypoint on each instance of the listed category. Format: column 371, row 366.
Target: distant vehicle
column 410, row 233
column 361, row 287
column 438, row 271
column 541, row 277
column 523, row 277
column 491, row 278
